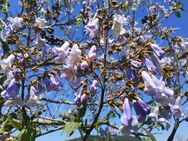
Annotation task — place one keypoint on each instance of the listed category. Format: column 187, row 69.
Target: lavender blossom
column 93, row 87
column 92, row 27
column 177, row 108
column 92, row 54
column 157, row 89
column 12, row 90
column 141, row 109
column 128, row 121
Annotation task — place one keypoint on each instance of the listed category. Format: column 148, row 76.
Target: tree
column 84, row 65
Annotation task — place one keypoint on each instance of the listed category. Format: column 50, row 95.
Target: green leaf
column 70, row 127
column 150, row 136
column 15, row 124
column 27, row 135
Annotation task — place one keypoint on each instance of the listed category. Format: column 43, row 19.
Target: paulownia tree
column 102, row 67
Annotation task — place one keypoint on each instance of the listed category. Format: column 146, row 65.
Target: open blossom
column 40, row 42
column 40, row 23
column 158, row 50
column 84, row 65
column 128, row 121
column 92, row 27
column 50, row 83
column 12, row 90
column 74, row 56
column 33, row 96
column 157, row 89
column 118, row 23
column 141, row 109
column 154, row 116
column 92, row 54
column 16, row 23
column 62, row 52
column 6, row 64
column 177, row 108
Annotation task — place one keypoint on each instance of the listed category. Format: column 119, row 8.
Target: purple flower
column 159, row 52
column 154, row 116
column 12, row 90
column 81, row 99
column 84, row 65
column 150, row 66
column 50, row 83
column 128, row 121
column 33, row 96
column 16, row 23
column 177, row 108
column 92, row 54
column 141, row 109
column 135, row 63
column 157, row 89
column 130, row 73
column 93, row 87
column 40, row 42
column 62, row 52
column 92, row 27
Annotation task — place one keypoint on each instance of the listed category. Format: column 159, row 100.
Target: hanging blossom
column 157, row 89
column 50, row 83
column 33, row 96
column 177, row 108
column 40, row 42
column 6, row 64
column 62, row 52
column 93, row 87
column 16, row 23
column 81, row 99
column 40, row 23
column 92, row 54
column 118, row 22
column 141, row 109
column 128, row 121
column 12, row 90
column 70, row 68
column 92, row 26
column 154, row 115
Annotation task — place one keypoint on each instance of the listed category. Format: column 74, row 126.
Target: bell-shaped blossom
column 135, row 63
column 150, row 65
column 93, row 87
column 81, row 99
column 128, row 121
column 33, row 96
column 6, row 64
column 50, row 83
column 69, row 72
column 92, row 54
column 141, row 109
column 157, row 89
column 157, row 64
column 158, row 50
column 84, row 65
column 177, row 108
column 154, row 115
column 40, row 42
column 16, row 23
column 130, row 73
column 12, row 90
column 40, row 23
column 62, row 52
column 92, row 27
column 118, row 22
column 74, row 56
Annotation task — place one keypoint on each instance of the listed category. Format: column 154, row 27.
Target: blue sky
column 175, row 22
